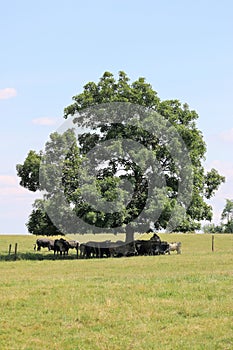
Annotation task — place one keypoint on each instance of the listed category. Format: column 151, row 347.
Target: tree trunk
column 129, row 236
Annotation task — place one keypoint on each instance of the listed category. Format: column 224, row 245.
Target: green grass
column 155, row 302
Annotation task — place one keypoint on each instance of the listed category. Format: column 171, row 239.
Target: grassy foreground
column 154, row 302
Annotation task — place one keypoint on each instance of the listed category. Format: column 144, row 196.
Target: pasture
column 140, row 303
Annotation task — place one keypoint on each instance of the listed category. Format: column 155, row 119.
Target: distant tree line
column 226, row 224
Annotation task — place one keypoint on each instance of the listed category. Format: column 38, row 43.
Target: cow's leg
column 81, row 251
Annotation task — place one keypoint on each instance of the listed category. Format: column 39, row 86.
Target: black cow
column 155, row 238
column 94, row 249
column 86, row 251
column 147, row 247
column 44, row 243
column 151, row 247
column 74, row 245
column 163, row 247
column 123, row 249
column 61, row 246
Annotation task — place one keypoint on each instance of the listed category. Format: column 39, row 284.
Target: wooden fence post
column 16, row 246
column 212, row 243
column 9, row 251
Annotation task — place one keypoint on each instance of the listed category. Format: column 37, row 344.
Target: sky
column 51, row 49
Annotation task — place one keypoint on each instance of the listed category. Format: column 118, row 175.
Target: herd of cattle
column 91, row 249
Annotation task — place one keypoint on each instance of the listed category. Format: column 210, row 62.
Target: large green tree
column 131, row 167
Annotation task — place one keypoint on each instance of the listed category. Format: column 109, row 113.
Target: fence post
column 16, row 246
column 9, row 251
column 212, row 243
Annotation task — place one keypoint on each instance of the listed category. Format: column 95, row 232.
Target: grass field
column 153, row 302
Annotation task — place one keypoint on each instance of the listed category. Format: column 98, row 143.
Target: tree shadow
column 35, row 257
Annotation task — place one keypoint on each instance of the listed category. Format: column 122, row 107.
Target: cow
column 151, row 247
column 143, row 247
column 61, row 246
column 85, row 251
column 94, row 249
column 147, row 247
column 155, row 238
column 120, row 249
column 163, row 247
column 74, row 245
column 174, row 246
column 44, row 243
column 102, row 249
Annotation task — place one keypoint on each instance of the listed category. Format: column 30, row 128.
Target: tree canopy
column 106, row 175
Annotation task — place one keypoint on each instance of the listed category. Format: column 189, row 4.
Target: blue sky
column 50, row 49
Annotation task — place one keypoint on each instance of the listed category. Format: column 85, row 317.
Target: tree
column 212, row 228
column 226, row 224
column 228, row 211
column 40, row 223
column 40, row 171
column 29, row 171
column 90, row 188
column 227, row 216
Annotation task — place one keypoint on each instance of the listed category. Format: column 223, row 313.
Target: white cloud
column 227, row 135
column 13, row 191
column 7, row 93
column 7, row 180
column 9, row 185
column 15, row 203
column 44, row 121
